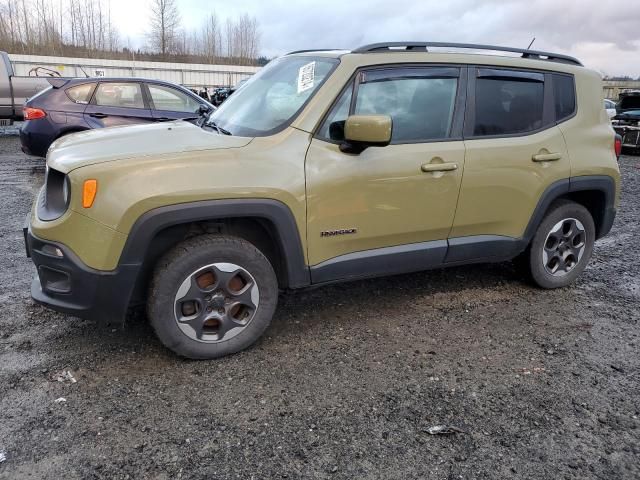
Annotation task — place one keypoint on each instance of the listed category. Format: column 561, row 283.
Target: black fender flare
column 601, row 183
column 277, row 213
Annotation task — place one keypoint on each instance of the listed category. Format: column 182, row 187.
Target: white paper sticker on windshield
column 306, row 76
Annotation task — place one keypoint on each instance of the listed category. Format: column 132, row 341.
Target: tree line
column 84, row 28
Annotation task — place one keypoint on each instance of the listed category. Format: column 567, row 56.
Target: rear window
column 80, row 93
column 564, row 94
column 508, row 103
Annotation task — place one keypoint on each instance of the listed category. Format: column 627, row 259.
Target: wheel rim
column 216, row 302
column 564, row 247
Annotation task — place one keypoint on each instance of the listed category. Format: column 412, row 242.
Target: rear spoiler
column 58, row 82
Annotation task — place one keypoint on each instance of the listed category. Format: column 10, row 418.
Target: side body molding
column 277, row 213
column 381, row 261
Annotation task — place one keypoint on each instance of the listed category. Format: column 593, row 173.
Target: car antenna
column 85, row 73
column 534, row 39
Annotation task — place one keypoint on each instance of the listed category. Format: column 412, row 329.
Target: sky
column 603, row 36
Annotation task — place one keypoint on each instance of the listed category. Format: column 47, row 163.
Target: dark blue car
column 74, row 105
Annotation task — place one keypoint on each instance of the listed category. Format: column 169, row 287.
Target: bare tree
column 164, row 26
column 229, row 32
column 247, row 37
column 84, row 28
column 210, row 45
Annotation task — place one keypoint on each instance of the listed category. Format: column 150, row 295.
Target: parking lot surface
column 347, row 381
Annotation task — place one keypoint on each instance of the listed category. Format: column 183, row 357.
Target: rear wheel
column 212, row 296
column 562, row 245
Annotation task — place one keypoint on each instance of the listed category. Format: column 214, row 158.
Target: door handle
column 98, row 115
column 546, row 157
column 439, row 167
column 163, row 119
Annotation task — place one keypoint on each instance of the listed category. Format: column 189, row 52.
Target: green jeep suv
column 328, row 166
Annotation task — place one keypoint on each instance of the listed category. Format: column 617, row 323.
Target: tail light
column 618, row 145
column 33, row 113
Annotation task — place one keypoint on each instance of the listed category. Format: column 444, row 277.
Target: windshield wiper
column 212, row 124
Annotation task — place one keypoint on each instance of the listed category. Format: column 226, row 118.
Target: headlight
column 55, row 196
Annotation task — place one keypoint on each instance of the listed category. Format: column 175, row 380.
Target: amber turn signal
column 89, row 190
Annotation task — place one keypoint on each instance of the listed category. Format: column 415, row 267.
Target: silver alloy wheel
column 564, row 247
column 216, row 302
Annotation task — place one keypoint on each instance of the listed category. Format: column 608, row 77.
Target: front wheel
column 562, row 245
column 211, row 296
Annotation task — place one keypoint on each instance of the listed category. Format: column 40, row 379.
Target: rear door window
column 80, row 93
column 119, row 94
column 508, row 102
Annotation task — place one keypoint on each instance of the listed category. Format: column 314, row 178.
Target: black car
column 627, row 122
column 74, row 105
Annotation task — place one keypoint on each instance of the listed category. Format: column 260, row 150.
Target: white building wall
column 187, row 74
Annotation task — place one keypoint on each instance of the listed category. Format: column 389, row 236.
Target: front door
column 170, row 103
column 117, row 103
column 389, row 208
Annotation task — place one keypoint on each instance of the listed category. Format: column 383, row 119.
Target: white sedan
column 610, row 107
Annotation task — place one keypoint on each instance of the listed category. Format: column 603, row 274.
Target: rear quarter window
column 80, row 93
column 564, row 96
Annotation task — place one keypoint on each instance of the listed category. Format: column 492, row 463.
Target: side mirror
column 362, row 131
column 204, row 109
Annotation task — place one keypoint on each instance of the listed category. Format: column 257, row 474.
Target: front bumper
column 65, row 284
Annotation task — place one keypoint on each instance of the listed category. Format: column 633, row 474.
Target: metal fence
column 187, row 74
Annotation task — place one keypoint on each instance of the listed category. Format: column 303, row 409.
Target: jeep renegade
column 328, row 166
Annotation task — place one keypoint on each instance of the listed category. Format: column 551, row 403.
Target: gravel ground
column 10, row 130
column 346, row 382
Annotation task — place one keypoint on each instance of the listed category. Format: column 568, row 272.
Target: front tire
column 562, row 245
column 212, row 296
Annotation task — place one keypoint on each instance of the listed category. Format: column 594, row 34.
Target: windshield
column 270, row 100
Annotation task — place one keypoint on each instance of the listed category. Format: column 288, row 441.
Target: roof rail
column 315, row 50
column 424, row 46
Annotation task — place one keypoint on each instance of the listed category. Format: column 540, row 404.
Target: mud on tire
column 562, row 246
column 212, row 296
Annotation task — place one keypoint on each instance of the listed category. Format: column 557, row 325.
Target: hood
column 135, row 141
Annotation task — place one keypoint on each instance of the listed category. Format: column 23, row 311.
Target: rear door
column 514, row 152
column 168, row 103
column 117, row 103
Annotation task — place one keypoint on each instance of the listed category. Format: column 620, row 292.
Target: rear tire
column 562, row 245
column 212, row 296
